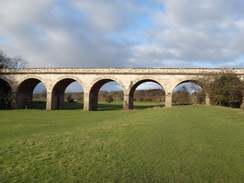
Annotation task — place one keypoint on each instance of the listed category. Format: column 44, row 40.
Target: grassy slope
column 181, row 144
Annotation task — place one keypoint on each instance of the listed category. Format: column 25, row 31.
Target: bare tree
column 11, row 62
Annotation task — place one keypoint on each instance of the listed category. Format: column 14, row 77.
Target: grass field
column 179, row 144
column 102, row 106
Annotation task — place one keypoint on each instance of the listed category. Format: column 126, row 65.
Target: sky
column 124, row 33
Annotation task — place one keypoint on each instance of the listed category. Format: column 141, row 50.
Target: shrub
column 226, row 90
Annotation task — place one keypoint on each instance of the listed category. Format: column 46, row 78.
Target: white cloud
column 105, row 15
column 200, row 33
column 187, row 12
column 113, row 33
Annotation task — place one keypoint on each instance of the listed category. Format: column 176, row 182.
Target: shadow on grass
column 147, row 106
column 67, row 105
column 109, row 106
column 180, row 104
column 101, row 105
column 38, row 105
column 73, row 105
column 119, row 106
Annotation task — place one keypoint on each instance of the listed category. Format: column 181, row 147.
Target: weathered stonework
column 23, row 81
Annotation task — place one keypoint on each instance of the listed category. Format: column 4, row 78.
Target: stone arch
column 134, row 86
column 195, row 81
column 58, row 89
column 25, row 91
column 110, row 78
column 10, row 82
column 23, row 79
column 201, row 84
column 97, row 84
column 68, row 77
column 5, row 94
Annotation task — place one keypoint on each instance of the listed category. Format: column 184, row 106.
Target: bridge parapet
column 170, row 71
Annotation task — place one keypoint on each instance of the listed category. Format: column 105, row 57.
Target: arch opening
column 39, row 96
column 26, row 95
column 67, row 94
column 106, row 94
column 188, row 93
column 5, row 95
column 146, row 94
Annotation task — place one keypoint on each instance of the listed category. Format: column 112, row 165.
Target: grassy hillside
column 179, row 144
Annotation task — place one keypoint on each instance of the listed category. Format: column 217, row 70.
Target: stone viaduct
column 20, row 83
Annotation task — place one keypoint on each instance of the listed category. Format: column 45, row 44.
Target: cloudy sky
column 124, row 33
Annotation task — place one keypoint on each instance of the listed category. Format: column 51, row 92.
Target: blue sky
column 124, row 33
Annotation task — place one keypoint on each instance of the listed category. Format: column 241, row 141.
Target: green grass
column 179, row 144
column 102, row 106
column 118, row 105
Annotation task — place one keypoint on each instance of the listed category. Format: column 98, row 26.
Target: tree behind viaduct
column 20, row 83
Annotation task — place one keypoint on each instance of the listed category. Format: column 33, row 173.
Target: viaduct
column 19, row 84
